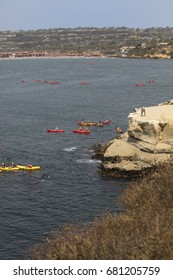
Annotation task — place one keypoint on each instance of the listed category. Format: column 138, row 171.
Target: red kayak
column 55, row 130
column 84, row 83
column 81, row 131
column 140, row 85
column 106, row 122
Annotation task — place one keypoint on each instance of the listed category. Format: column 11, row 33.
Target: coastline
column 87, row 55
column 53, row 57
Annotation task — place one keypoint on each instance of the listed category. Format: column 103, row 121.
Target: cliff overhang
column 147, row 144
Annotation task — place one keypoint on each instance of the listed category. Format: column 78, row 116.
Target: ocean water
column 68, row 188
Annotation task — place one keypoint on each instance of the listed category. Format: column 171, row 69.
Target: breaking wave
column 91, row 161
column 71, row 149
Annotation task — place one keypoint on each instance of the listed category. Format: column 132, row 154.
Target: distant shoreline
column 80, row 56
column 55, row 57
column 47, row 54
column 74, row 54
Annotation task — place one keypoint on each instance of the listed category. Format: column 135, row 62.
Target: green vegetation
column 108, row 41
column 144, row 229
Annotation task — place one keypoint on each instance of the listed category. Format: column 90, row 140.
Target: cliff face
column 155, row 130
column 147, row 143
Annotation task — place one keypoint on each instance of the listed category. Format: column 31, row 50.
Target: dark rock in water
column 45, row 176
column 99, row 150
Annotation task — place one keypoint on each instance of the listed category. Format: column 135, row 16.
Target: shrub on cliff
column 144, row 230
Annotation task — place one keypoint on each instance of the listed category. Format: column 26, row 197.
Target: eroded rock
column 147, row 143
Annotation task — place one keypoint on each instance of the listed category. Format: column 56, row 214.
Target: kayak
column 87, row 123
column 119, row 130
column 19, row 167
column 25, row 167
column 106, row 122
column 81, row 131
column 139, row 85
column 9, row 168
column 55, row 130
column 84, row 83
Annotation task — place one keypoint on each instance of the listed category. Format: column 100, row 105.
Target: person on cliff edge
column 143, row 112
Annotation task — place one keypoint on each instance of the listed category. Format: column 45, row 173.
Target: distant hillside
column 114, row 42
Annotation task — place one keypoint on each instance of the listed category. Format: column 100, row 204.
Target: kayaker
column 100, row 123
column 12, row 165
column 118, row 129
column 29, row 165
column 3, row 165
column 80, row 128
column 56, row 127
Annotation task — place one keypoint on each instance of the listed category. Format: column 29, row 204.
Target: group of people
column 143, row 111
column 12, row 165
column 86, row 129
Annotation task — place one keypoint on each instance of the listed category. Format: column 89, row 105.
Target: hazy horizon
column 33, row 15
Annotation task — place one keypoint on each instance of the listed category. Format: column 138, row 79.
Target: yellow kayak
column 9, row 168
column 28, row 168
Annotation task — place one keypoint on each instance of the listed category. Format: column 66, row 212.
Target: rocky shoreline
column 146, row 145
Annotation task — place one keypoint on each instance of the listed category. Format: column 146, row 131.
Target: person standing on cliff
column 143, row 112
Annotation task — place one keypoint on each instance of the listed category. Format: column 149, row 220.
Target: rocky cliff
column 147, row 143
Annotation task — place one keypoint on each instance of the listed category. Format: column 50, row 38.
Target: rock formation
column 147, row 143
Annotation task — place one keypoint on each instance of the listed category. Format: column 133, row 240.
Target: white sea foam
column 92, row 161
column 71, row 149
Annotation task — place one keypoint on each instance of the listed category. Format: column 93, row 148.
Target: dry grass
column 143, row 231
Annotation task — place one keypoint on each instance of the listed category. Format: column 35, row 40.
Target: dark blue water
column 68, row 187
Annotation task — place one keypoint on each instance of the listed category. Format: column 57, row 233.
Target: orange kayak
column 81, row 131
